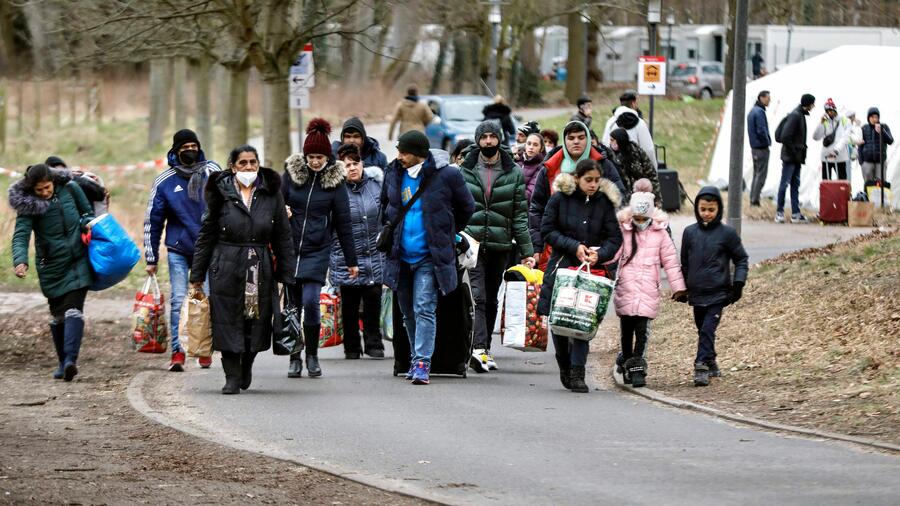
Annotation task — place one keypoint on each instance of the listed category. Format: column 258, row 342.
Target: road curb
column 135, row 395
column 653, row 395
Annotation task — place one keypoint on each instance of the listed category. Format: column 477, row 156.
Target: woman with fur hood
column 580, row 225
column 646, row 247
column 318, row 207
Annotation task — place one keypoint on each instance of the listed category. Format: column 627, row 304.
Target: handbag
column 579, row 302
column 195, row 327
column 287, row 330
column 385, row 240
column 829, row 139
column 111, row 251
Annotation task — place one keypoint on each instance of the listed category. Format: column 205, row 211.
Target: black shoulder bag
column 385, row 241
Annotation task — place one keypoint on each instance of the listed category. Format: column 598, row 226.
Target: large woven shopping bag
column 579, row 303
column 150, row 334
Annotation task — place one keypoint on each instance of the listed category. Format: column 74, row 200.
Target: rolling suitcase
column 669, row 189
column 454, row 332
column 833, row 200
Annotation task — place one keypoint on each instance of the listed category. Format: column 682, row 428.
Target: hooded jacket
column 447, row 205
column 365, row 209
column 758, row 127
column 57, row 223
column 869, row 151
column 229, row 232
column 640, row 258
column 630, row 120
column 793, row 137
column 837, row 152
column 319, row 208
column 371, row 153
column 707, row 252
column 530, row 168
column 572, row 218
column 633, row 164
column 503, row 113
column 411, row 115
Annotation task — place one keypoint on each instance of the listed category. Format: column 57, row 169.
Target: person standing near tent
column 834, row 132
column 757, row 62
column 791, row 133
column 760, row 141
column 875, row 139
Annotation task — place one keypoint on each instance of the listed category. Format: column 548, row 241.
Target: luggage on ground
column 150, row 334
column 518, row 323
column 874, row 193
column 861, row 214
column 112, row 253
column 669, row 189
column 833, row 199
column 579, row 303
column 195, row 328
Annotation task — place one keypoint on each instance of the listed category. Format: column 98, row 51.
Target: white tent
column 856, row 78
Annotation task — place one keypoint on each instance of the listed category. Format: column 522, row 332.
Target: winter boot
column 312, row 366
column 637, row 370
column 564, row 372
column 57, row 330
column 622, row 369
column 714, row 371
column 576, row 379
column 701, row 375
column 295, row 370
column 311, row 336
column 74, row 331
column 231, row 363
column 247, row 359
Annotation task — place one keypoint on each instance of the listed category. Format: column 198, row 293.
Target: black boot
column 576, row 379
column 714, row 371
column 231, row 363
column 622, row 369
column 74, row 331
column 701, row 375
column 311, row 336
column 564, row 372
column 247, row 359
column 637, row 370
column 57, row 331
column 312, row 366
column 295, row 370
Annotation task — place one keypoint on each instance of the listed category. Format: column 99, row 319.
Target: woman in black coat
column 318, row 206
column 244, row 224
column 579, row 217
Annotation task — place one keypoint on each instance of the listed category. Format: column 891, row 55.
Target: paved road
column 516, row 436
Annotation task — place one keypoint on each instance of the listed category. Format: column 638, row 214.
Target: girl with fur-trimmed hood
column 318, row 207
column 580, row 225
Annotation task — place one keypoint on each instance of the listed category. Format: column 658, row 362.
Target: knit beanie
column 414, row 142
column 829, row 105
column 642, row 185
column 183, row 137
column 54, row 161
column 807, row 100
column 317, row 142
column 642, row 204
column 490, row 125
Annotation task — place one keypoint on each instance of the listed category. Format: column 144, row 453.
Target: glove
column 680, row 296
column 737, row 291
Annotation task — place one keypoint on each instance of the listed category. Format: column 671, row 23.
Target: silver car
column 702, row 80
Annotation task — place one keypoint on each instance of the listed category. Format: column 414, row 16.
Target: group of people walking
column 340, row 213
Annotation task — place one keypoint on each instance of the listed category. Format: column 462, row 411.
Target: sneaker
column 701, row 375
column 177, row 363
column 798, row 218
column 420, row 374
column 479, row 361
column 205, row 362
column 714, row 371
column 491, row 364
column 412, row 369
column 779, row 217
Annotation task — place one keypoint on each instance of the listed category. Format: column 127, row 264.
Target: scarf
column 251, row 289
column 568, row 163
column 414, row 170
column 196, row 174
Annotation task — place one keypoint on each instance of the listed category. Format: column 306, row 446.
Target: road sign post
column 651, row 79
column 301, row 79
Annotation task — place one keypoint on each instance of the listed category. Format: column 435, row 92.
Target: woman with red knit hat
column 319, row 208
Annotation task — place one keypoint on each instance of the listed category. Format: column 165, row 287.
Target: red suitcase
column 833, row 199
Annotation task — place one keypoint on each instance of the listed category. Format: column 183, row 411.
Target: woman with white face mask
column 245, row 246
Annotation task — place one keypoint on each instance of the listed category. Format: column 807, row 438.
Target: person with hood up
column 580, row 224
column 760, row 142
column 176, row 205
column 354, row 132
column 575, row 148
column 244, row 226
column 52, row 206
column 708, row 248
column 91, row 184
column 551, row 139
column 499, row 224
column 410, row 114
column 522, row 134
column 500, row 112
column 632, row 162
column 585, row 110
column 646, row 247
column 364, row 191
column 422, row 258
column 531, row 161
column 627, row 116
column 876, row 136
column 833, row 129
column 793, row 155
column 319, row 208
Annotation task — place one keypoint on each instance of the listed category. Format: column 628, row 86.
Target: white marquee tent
column 856, row 78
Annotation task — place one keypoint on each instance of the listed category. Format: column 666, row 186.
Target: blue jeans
column 179, row 274
column 417, row 294
column 790, row 175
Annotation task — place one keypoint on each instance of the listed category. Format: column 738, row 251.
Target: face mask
column 246, row 178
column 642, row 226
column 489, row 151
column 189, row 157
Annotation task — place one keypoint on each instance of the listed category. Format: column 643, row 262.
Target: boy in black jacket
column 708, row 248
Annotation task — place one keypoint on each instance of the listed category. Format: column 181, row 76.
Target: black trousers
column 707, row 319
column 486, row 278
column 830, row 167
column 634, row 335
column 369, row 296
column 69, row 300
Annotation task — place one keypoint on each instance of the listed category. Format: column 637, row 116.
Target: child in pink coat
column 646, row 247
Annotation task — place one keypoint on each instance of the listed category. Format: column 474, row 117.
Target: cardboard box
column 861, row 214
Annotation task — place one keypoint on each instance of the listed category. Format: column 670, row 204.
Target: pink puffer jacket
column 637, row 286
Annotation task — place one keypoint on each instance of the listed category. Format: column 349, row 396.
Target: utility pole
column 738, row 108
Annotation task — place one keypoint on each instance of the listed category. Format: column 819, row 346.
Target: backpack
column 780, row 130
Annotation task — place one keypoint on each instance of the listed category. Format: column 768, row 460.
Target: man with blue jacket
column 760, row 141
column 176, row 204
column 354, row 132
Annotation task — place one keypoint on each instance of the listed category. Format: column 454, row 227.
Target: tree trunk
column 223, row 93
column 179, row 88
column 362, row 57
column 57, row 99
column 460, row 66
column 20, row 106
column 382, row 17
column 73, row 101
column 576, row 58
column 7, row 42
column 276, row 123
column 595, row 75
column 159, row 101
column 438, row 75
column 202, row 79
column 38, row 102
column 529, row 92
column 237, row 128
column 406, row 33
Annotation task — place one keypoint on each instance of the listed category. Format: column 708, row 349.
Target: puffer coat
column 637, row 287
column 227, row 234
column 365, row 209
column 62, row 258
column 320, row 209
column 530, row 169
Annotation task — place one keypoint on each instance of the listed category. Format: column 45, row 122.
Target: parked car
column 702, row 80
column 455, row 118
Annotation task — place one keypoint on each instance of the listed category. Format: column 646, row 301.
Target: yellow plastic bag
column 195, row 327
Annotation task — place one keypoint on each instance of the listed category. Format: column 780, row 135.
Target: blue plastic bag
column 112, row 253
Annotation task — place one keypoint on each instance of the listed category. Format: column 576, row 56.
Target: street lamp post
column 654, row 16
column 494, row 19
column 790, row 27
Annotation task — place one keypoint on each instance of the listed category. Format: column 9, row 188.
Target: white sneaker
column 779, row 217
column 479, row 361
column 491, row 364
column 798, row 218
